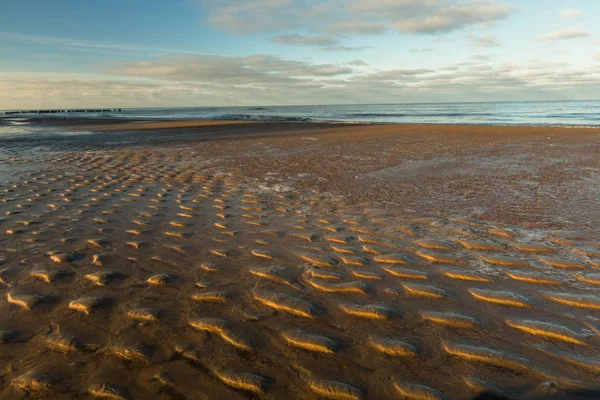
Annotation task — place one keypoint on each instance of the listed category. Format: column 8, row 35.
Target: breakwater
column 63, row 111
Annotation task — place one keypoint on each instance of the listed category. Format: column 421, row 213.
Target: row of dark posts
column 62, row 111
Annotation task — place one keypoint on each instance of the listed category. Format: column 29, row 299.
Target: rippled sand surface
column 299, row 261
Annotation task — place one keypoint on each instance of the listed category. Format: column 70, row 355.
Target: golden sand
column 369, row 262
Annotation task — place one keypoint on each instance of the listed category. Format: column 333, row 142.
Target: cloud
column 352, row 16
column 359, row 63
column 597, row 57
column 300, row 40
column 28, row 93
column 340, row 47
column 570, row 13
column 356, row 27
column 569, row 33
column 243, row 16
column 481, row 57
column 483, row 41
column 457, row 16
column 264, row 80
column 418, row 51
column 257, row 69
column 331, row 83
column 392, row 75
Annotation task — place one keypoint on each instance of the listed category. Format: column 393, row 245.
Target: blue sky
column 132, row 53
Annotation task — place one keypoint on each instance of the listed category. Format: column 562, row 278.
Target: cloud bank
column 207, row 80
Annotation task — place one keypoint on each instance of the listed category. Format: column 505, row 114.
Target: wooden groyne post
column 63, row 111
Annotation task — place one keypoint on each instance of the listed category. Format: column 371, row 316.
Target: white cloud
column 340, row 47
column 257, row 69
column 356, row 27
column 483, row 41
column 359, row 63
column 597, row 56
column 301, row 40
column 29, row 93
column 325, row 43
column 418, row 51
column 569, row 33
column 244, row 16
column 264, row 80
column 570, row 13
column 393, row 75
column 352, row 16
column 457, row 16
column 334, row 83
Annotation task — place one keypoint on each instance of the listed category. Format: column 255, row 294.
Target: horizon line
column 298, row 105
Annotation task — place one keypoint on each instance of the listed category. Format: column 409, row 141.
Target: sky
column 191, row 53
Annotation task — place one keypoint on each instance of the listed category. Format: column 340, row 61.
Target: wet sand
column 261, row 260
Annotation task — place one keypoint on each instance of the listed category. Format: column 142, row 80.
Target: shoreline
column 111, row 123
column 115, row 124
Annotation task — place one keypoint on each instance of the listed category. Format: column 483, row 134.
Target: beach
column 223, row 260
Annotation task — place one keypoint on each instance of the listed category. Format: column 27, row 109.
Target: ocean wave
column 589, row 116
column 16, row 121
column 403, row 115
column 282, row 118
column 254, row 117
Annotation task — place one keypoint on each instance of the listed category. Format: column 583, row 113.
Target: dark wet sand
column 260, row 260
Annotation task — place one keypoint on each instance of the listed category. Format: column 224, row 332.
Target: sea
column 547, row 113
